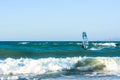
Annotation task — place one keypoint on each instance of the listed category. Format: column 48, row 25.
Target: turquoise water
column 62, row 60
column 57, row 49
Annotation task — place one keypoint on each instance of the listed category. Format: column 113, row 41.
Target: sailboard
column 85, row 41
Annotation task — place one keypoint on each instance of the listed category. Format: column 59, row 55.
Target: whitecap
column 23, row 42
column 45, row 65
column 107, row 44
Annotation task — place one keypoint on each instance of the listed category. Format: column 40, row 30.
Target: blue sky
column 59, row 20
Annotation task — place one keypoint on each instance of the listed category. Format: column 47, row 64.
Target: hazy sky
column 59, row 19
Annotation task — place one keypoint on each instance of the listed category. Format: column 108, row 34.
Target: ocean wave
column 12, row 66
column 99, row 64
column 105, row 44
column 78, row 43
column 23, row 43
column 94, row 49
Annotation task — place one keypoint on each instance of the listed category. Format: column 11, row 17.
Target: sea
column 59, row 60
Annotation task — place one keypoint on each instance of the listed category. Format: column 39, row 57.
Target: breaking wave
column 100, row 46
column 12, row 66
column 105, row 44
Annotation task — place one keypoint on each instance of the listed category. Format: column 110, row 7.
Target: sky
column 59, row 20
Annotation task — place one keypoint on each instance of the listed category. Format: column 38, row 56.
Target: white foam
column 111, row 64
column 107, row 44
column 9, row 78
column 23, row 42
column 100, row 46
column 94, row 49
column 41, row 66
column 79, row 43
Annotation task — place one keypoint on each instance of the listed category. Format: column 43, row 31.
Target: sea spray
column 45, row 65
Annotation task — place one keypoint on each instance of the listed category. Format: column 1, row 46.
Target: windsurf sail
column 85, row 40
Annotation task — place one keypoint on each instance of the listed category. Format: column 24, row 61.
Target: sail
column 85, row 40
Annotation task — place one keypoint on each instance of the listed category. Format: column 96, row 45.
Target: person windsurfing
column 83, row 47
column 85, row 41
